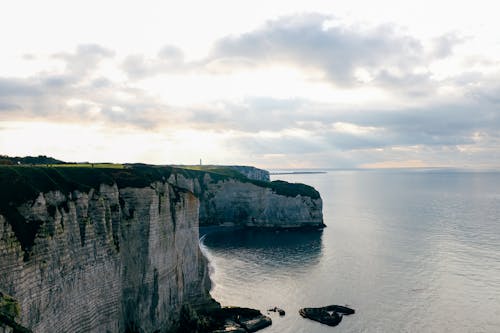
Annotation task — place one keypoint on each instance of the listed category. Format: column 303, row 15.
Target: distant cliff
column 252, row 172
column 116, row 250
column 249, row 172
column 230, row 199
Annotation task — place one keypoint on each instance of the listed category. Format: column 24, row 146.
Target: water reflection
column 270, row 249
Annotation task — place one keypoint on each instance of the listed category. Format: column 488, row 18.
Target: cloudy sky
column 296, row 84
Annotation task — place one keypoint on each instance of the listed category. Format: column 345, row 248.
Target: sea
column 410, row 250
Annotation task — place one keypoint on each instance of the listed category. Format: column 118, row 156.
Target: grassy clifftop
column 278, row 186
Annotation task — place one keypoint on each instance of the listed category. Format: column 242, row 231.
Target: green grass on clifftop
column 278, row 186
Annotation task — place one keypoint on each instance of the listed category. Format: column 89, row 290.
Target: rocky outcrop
column 236, row 319
column 330, row 315
column 237, row 201
column 108, row 259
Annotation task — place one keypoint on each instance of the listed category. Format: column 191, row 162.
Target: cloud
column 445, row 44
column 85, row 58
column 9, row 107
column 337, row 51
column 250, row 114
column 311, row 42
column 100, row 103
column 297, row 128
column 293, row 127
column 169, row 59
column 67, row 97
column 13, row 87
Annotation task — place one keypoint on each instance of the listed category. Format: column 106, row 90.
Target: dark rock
column 10, row 325
column 279, row 310
column 255, row 324
column 236, row 319
column 340, row 309
column 330, row 315
column 232, row 327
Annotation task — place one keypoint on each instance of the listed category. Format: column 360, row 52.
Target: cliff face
column 232, row 201
column 106, row 260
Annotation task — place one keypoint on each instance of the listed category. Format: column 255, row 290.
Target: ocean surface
column 410, row 251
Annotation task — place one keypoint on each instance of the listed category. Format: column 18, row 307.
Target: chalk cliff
column 108, row 259
column 243, row 202
column 98, row 250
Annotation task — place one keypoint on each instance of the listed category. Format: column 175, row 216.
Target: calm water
column 410, row 251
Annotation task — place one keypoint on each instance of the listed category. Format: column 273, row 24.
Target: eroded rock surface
column 106, row 260
column 235, row 202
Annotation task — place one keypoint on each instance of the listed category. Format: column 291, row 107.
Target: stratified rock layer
column 106, row 260
column 232, row 201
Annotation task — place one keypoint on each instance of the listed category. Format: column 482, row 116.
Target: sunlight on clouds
column 281, row 82
column 353, row 128
column 76, row 142
column 414, row 149
column 101, row 143
column 363, row 75
column 24, row 65
column 189, row 89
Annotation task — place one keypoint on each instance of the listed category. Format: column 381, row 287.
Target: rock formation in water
column 116, row 250
column 330, row 315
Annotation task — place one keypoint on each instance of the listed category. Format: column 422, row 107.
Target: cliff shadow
column 268, row 249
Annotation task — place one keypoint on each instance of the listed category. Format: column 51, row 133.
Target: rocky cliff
column 106, row 259
column 116, row 250
column 233, row 200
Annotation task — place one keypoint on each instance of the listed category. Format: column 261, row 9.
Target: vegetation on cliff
column 9, row 312
column 41, row 159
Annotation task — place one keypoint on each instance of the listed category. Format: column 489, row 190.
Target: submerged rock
column 330, row 315
column 279, row 310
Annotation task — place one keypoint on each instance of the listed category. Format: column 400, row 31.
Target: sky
column 275, row 84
